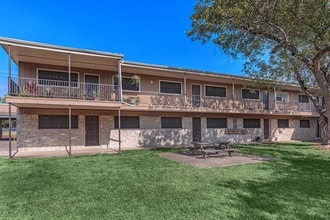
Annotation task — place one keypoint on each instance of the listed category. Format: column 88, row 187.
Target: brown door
column 92, row 130
column 265, row 99
column 197, row 133
column 266, row 128
column 91, row 86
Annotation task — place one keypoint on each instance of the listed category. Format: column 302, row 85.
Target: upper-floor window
column 127, row 122
column 283, row 123
column 282, row 97
column 171, row 122
column 251, row 123
column 250, row 94
column 57, row 78
column 216, row 91
column 303, row 98
column 128, row 83
column 170, row 87
column 57, row 121
column 216, row 122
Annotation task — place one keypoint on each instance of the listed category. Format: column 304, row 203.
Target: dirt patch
column 213, row 161
column 322, row 147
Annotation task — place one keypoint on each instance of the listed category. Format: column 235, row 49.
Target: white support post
column 9, row 106
column 119, row 130
column 69, row 72
column 120, row 81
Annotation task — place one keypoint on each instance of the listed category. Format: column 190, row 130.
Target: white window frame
column 250, row 99
column 55, row 70
column 218, row 97
column 169, row 82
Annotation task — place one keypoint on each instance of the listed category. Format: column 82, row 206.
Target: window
column 216, row 122
column 215, row 91
column 303, row 98
column 127, row 122
column 251, row 123
column 170, row 87
column 57, row 121
column 171, row 122
column 56, row 78
column 250, row 94
column 128, row 83
column 283, row 123
column 282, row 97
column 304, row 124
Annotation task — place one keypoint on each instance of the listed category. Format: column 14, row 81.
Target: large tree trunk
column 324, row 121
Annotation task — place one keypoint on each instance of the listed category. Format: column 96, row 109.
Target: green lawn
column 142, row 185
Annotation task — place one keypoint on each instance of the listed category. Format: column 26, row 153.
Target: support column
column 69, row 72
column 9, row 106
column 119, row 130
column 275, row 108
column 69, row 151
column 185, row 89
column 120, row 80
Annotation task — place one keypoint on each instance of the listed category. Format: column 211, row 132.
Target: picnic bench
column 207, row 148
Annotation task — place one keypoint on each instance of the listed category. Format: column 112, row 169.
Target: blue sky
column 147, row 31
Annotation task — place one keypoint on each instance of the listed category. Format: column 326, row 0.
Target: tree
column 286, row 40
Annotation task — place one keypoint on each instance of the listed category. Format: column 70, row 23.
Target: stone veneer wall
column 150, row 133
column 30, row 136
column 212, row 134
column 294, row 132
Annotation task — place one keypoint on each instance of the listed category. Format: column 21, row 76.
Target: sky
column 146, row 31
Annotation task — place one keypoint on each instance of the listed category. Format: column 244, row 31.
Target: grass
column 142, row 185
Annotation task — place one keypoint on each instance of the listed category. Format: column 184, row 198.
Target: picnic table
column 207, row 148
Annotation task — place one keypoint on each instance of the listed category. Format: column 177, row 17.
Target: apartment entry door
column 196, row 95
column 91, row 130
column 266, row 129
column 196, row 129
column 265, row 99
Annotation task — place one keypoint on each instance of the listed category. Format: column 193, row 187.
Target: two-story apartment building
column 73, row 97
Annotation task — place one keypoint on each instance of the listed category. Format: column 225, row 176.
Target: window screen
column 170, row 87
column 303, row 99
column 217, row 123
column 54, row 78
column 57, row 121
column 215, row 91
column 282, row 123
column 127, row 122
column 304, row 123
column 251, row 123
column 250, row 94
column 171, row 122
column 128, row 84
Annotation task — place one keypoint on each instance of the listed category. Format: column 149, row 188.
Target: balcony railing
column 31, row 87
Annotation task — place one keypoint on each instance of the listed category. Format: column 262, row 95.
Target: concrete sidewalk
column 51, row 153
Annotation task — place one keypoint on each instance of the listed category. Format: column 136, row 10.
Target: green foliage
column 5, row 124
column 142, row 185
column 277, row 37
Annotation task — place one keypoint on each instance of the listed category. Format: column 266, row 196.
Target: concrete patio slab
column 213, row 161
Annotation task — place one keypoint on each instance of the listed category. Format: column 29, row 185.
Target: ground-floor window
column 216, row 122
column 251, row 123
column 283, row 123
column 171, row 122
column 57, row 121
column 127, row 122
column 304, row 124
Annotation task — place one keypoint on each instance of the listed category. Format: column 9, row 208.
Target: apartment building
column 74, row 97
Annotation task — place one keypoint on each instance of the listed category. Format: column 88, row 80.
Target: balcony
column 39, row 88
column 107, row 95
